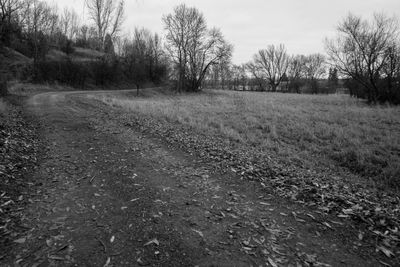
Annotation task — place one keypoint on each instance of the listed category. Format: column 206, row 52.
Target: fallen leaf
column 272, row 263
column 20, row 240
column 153, row 241
column 56, row 258
column 327, row 225
column 49, row 243
column 385, row 251
column 199, row 232
column 107, row 262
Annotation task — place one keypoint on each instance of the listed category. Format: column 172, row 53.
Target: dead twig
column 116, row 254
column 103, row 244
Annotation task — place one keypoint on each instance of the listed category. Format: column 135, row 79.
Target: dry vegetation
column 308, row 131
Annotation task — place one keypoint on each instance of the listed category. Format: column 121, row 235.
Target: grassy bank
column 305, row 130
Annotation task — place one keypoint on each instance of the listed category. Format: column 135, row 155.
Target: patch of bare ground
column 330, row 190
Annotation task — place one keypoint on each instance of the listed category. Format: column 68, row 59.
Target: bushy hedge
column 101, row 72
column 68, row 72
column 389, row 91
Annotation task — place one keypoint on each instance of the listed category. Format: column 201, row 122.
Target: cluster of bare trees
column 368, row 54
column 143, row 57
column 193, row 47
column 33, row 27
column 365, row 54
column 37, row 22
column 272, row 69
column 107, row 16
column 270, row 64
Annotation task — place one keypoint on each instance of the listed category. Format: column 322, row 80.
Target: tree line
column 364, row 56
column 35, row 28
column 273, row 69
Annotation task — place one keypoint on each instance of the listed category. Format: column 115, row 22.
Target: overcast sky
column 251, row 25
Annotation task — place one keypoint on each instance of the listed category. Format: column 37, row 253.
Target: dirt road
column 112, row 195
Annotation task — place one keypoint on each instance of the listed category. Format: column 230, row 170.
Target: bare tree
column 204, row 52
column 8, row 15
column 274, row 62
column 296, row 72
column 69, row 23
column 39, row 21
column 143, row 57
column 39, row 17
column 107, row 16
column 179, row 26
column 8, row 8
column 258, row 75
column 218, row 75
column 314, row 69
column 391, row 72
column 360, row 50
column 192, row 46
column 225, row 73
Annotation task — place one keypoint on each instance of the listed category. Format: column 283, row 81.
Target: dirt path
column 114, row 196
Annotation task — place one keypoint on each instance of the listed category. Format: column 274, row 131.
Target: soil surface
column 109, row 194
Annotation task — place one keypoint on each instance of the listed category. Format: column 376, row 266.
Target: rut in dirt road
column 114, row 196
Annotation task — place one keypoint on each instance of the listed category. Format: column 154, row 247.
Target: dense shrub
column 67, row 72
column 103, row 72
column 389, row 91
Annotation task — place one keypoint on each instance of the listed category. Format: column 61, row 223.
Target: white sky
column 251, row 25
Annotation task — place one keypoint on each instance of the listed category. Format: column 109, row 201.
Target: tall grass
column 307, row 130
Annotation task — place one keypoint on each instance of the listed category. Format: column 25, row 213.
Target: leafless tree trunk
column 314, row 68
column 359, row 51
column 69, row 23
column 258, row 75
column 192, row 46
column 273, row 62
column 8, row 13
column 296, row 72
column 107, row 16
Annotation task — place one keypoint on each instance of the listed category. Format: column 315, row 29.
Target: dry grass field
column 305, row 130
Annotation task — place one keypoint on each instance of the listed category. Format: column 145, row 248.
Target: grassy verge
column 304, row 130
